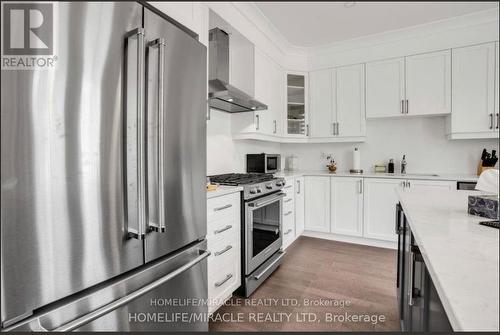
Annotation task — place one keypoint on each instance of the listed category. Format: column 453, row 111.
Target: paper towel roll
column 356, row 159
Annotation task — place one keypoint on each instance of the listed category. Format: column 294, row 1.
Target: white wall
column 421, row 139
column 225, row 155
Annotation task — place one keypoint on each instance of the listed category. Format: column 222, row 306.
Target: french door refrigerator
column 103, row 164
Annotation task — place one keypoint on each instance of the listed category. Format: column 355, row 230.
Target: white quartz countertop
column 430, row 176
column 223, row 190
column 462, row 256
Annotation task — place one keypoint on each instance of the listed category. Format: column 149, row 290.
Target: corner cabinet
column 296, row 92
column 475, row 92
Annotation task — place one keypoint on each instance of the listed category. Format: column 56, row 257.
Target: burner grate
column 235, row 179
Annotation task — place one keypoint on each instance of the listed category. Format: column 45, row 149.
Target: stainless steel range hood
column 222, row 95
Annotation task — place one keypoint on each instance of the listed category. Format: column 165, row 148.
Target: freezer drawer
column 169, row 294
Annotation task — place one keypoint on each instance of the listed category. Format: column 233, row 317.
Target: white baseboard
column 352, row 239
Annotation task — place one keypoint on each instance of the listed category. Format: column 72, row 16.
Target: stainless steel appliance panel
column 62, row 170
column 181, row 160
column 263, row 229
column 135, row 300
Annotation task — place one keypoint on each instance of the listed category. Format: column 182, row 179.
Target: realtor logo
column 27, row 30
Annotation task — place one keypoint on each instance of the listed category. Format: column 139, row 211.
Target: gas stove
column 254, row 184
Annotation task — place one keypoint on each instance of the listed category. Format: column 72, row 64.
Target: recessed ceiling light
column 254, row 108
column 349, row 4
column 230, row 99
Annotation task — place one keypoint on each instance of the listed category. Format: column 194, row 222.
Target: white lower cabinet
column 223, row 238
column 288, row 217
column 380, row 199
column 317, row 203
column 362, row 210
column 346, row 206
column 431, row 184
column 299, row 205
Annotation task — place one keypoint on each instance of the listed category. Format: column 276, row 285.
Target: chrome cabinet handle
column 127, row 299
column 307, row 130
column 402, row 106
column 498, row 120
column 223, row 251
column 360, row 186
column 257, row 123
column 298, row 186
column 288, row 213
column 288, row 200
column 160, row 226
column 491, row 120
column 135, row 181
column 223, row 207
column 274, row 127
column 333, row 128
column 407, row 109
column 408, row 184
column 338, row 128
column 223, row 229
column 288, row 232
column 258, row 276
column 219, row 284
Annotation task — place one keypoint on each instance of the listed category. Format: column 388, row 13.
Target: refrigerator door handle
column 77, row 323
column 134, row 134
column 160, row 226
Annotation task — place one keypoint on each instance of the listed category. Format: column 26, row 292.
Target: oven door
column 273, row 163
column 263, row 227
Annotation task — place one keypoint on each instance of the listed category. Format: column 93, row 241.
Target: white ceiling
column 311, row 24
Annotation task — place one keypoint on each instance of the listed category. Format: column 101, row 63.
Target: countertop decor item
column 483, row 205
column 390, row 167
column 356, row 162
column 332, row 165
column 380, row 168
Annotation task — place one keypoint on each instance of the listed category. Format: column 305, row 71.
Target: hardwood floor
column 320, row 271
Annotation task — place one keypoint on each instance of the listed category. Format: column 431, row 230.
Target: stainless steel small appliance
column 261, row 226
column 263, row 163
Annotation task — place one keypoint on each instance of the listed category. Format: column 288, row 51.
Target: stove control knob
column 259, row 190
column 269, row 186
column 253, row 190
column 280, row 183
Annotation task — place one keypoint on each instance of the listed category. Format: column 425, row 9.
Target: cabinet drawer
column 222, row 207
column 223, row 270
column 288, row 221
column 287, row 202
column 223, row 255
column 288, row 236
column 288, row 210
column 222, row 228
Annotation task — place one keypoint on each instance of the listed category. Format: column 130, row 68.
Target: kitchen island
column 461, row 256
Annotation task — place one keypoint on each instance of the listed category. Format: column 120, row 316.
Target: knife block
column 481, row 168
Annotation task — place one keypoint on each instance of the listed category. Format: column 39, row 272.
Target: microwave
column 263, row 163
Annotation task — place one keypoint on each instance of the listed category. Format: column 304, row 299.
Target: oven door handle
column 266, row 201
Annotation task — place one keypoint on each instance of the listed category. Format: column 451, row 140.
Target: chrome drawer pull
column 223, row 229
column 288, row 200
column 288, row 231
column 223, row 207
column 288, row 213
column 223, row 251
column 229, row 276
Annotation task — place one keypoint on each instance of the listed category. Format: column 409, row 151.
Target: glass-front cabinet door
column 296, row 92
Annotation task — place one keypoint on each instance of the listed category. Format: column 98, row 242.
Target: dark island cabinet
column 420, row 308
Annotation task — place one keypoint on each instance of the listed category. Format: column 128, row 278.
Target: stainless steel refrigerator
column 103, row 164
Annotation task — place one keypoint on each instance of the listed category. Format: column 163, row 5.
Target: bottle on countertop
column 390, row 167
column 403, row 165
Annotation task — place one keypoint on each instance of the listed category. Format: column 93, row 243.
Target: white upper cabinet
column 317, row 203
column 385, row 88
column 321, row 103
column 473, row 94
column 428, row 84
column 296, row 104
column 338, row 103
column 346, row 199
column 350, row 101
column 269, row 89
